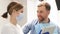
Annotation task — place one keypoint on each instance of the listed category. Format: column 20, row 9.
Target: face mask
column 20, row 17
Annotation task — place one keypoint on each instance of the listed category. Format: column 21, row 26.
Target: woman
column 15, row 10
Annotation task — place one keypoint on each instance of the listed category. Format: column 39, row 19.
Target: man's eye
column 41, row 11
column 21, row 11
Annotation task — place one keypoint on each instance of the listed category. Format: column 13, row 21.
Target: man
column 43, row 21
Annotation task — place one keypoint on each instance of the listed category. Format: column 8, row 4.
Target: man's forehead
column 42, row 7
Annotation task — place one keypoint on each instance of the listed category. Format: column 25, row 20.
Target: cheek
column 17, row 14
column 45, row 15
column 39, row 15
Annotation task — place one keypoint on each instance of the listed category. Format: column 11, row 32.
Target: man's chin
column 41, row 20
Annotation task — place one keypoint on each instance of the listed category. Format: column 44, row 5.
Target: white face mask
column 20, row 17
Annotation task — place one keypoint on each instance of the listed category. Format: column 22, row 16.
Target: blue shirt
column 34, row 30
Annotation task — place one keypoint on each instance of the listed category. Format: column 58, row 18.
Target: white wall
column 59, row 18
column 3, row 5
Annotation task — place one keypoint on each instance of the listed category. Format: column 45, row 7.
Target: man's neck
column 46, row 20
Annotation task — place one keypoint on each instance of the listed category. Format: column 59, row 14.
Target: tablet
column 48, row 29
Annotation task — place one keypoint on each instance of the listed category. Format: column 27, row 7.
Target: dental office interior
column 30, row 11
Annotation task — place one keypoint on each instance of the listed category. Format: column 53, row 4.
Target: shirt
column 32, row 26
column 9, row 28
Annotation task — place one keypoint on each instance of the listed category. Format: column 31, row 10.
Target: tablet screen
column 48, row 29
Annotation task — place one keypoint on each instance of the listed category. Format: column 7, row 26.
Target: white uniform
column 11, row 29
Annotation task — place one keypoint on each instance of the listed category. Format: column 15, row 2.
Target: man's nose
column 39, row 14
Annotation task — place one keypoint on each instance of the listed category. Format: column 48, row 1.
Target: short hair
column 47, row 6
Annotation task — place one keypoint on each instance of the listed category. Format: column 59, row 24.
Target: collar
column 42, row 22
column 45, row 22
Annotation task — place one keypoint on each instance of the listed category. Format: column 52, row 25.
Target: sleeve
column 29, row 26
column 20, row 29
column 58, row 30
column 26, row 28
column 7, row 30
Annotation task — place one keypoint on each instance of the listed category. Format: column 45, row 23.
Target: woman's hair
column 12, row 6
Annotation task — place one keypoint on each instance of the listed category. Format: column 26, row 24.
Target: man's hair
column 48, row 7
